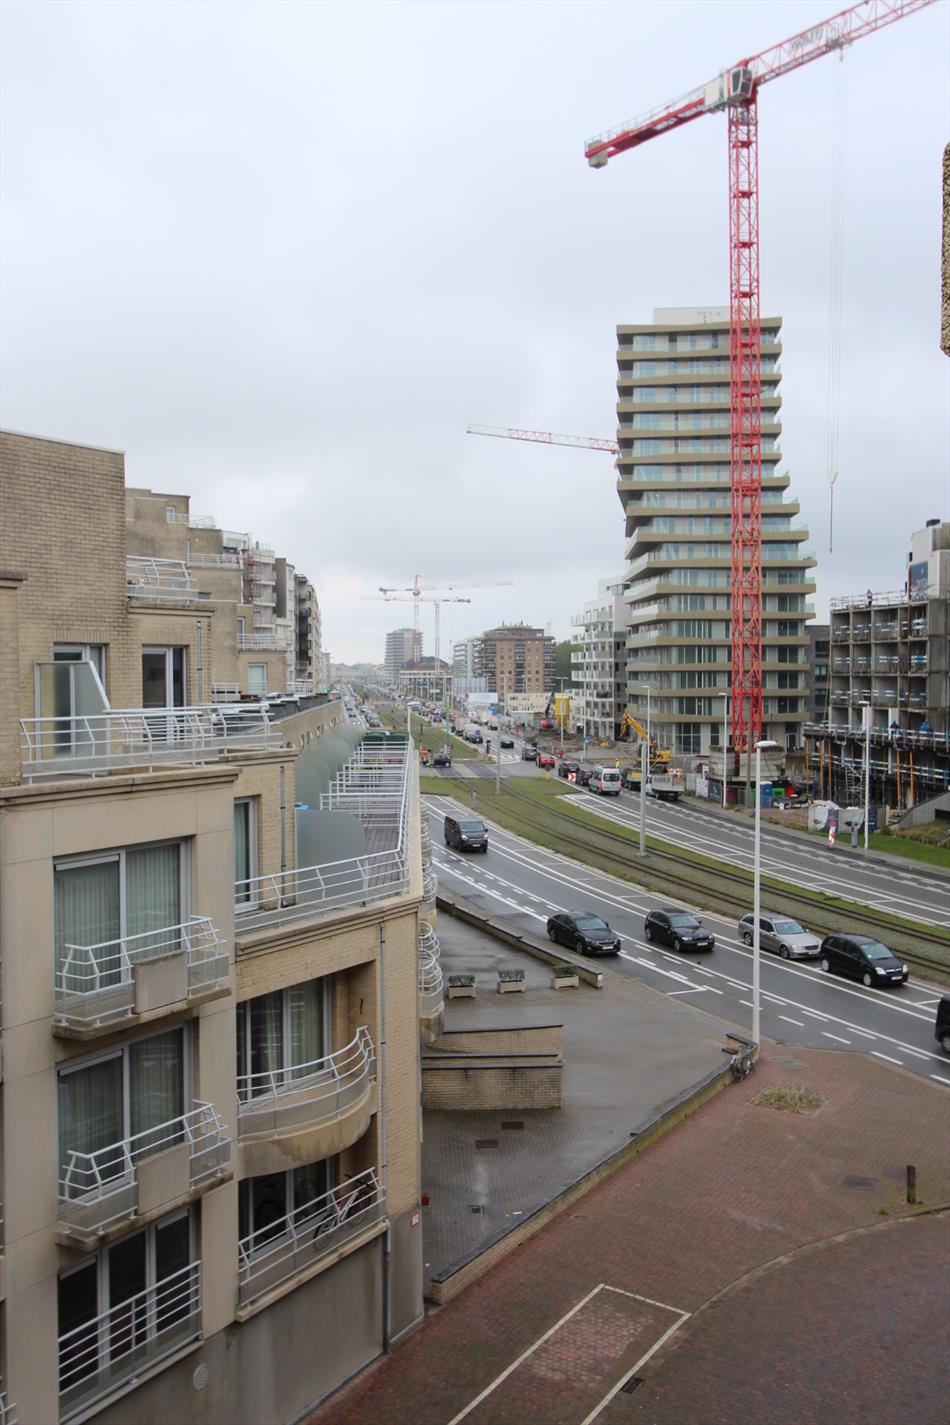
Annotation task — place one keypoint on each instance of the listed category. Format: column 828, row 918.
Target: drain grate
column 515, row 1125
column 631, row 1384
column 478, row 1210
column 486, row 1142
column 854, row 1180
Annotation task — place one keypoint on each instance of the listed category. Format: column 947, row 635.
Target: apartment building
column 818, row 670
column 515, row 658
column 403, row 645
column 890, row 667
column 463, row 656
column 598, row 661
column 310, row 662
column 214, row 981
column 674, row 478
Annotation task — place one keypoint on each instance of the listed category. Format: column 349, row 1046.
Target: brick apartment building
column 515, row 658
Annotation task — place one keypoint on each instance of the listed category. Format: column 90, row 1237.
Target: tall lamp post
column 649, row 724
column 866, row 714
column 760, row 747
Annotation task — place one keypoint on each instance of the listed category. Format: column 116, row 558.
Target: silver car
column 782, row 935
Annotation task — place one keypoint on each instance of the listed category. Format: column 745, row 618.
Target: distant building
column 402, row 646
column 515, row 658
column 598, row 661
column 463, row 656
column 818, row 670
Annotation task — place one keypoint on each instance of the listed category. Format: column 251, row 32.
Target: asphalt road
column 524, row 884
column 900, row 888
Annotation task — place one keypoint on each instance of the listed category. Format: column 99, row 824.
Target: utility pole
column 644, row 766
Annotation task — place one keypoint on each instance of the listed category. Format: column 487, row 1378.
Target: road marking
column 826, row 1035
column 940, row 1079
column 799, row 1022
column 696, row 990
column 888, row 1058
column 815, row 1015
column 748, row 1003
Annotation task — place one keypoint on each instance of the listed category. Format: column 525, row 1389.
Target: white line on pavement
column 799, row 1022
column 826, row 1035
column 940, row 1079
column 887, row 1056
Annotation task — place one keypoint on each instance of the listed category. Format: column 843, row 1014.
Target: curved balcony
column 317, row 1230
column 141, row 1176
column 431, row 998
column 137, row 977
column 306, row 1112
column 430, row 886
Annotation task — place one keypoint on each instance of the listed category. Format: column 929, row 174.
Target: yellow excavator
column 630, row 724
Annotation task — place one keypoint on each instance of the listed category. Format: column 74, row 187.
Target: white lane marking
column 888, row 1058
column 799, row 1022
column 748, row 1003
column 826, row 1035
column 696, row 990
column 815, row 1015
column 618, row 1386
column 940, row 1079
column 927, row 1003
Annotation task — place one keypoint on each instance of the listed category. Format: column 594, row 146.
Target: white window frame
column 253, row 839
column 243, row 1009
column 250, row 669
column 169, row 650
column 118, row 855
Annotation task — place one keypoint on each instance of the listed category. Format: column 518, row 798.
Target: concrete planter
column 510, row 982
column 564, row 982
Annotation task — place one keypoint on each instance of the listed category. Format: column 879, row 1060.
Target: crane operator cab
column 732, row 86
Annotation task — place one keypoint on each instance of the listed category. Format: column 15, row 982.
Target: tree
column 562, row 661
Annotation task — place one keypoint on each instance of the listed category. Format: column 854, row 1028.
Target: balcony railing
column 892, row 598
column 302, row 1095
column 286, row 1248
column 430, row 886
column 159, row 579
column 7, row 1410
column 258, row 640
column 431, row 996
column 103, row 1354
column 141, row 737
column 373, row 786
column 101, row 1188
column 98, row 984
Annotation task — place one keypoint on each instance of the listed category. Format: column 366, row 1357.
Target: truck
column 665, row 783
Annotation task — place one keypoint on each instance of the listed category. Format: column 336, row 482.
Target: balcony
column 101, row 1355
column 159, row 581
column 315, row 1232
column 374, row 787
column 430, row 887
column 118, row 739
column 431, row 998
column 306, row 1112
column 260, row 641
column 7, row 1410
column 98, row 987
column 141, row 1176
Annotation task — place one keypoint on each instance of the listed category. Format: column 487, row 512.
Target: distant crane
column 546, row 437
column 416, row 590
column 735, row 91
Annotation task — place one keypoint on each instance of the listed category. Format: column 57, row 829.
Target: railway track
column 728, row 887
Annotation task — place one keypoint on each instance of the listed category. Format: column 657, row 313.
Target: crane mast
column 736, row 90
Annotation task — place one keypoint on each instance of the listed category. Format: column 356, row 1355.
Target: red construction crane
column 546, row 437
column 735, row 90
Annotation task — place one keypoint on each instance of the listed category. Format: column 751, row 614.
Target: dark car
column 569, row 771
column 507, row 741
column 585, row 932
column 530, row 754
column 678, row 929
column 466, row 833
column 545, row 759
column 862, row 958
column 442, row 759
column 942, row 1027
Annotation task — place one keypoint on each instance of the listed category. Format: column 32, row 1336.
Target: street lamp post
column 757, row 885
column 867, row 768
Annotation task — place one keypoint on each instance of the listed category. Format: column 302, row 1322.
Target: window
column 280, row 1036
column 163, row 677
column 129, row 1305
column 241, row 625
column 171, row 514
column 265, row 1203
column 133, row 1091
column 686, row 737
column 245, row 851
column 257, row 677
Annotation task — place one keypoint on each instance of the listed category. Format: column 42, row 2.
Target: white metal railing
column 223, row 559
column 301, row 1095
column 94, row 984
column 99, row 1188
column 141, row 737
column 374, row 786
column 301, row 688
column 892, row 597
column 98, row 1356
column 226, row 692
column 7, row 1410
column 430, row 973
column 265, row 642
column 158, row 579
column 285, row 1248
column 430, row 885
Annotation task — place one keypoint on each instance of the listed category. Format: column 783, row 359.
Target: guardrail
column 265, row 642
column 141, row 737
column 95, row 984
column 283, row 1249
column 97, row 1189
column 431, row 995
column 158, row 579
column 286, row 1100
column 98, row 1356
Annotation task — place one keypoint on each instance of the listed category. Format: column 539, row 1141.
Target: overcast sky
column 280, row 254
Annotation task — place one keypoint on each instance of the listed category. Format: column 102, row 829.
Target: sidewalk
column 850, row 1331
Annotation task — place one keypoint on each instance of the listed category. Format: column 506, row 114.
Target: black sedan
column 678, row 929
column 584, row 932
column 569, row 771
column 507, row 742
column 861, row 958
column 442, row 759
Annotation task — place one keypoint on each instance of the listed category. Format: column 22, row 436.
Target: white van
column 606, row 781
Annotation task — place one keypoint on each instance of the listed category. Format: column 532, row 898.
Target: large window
column 127, row 1306
column 133, row 1091
column 257, row 677
column 127, row 895
column 245, row 851
column 280, row 1036
column 266, row 1203
column 163, row 677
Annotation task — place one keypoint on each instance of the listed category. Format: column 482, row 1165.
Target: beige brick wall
column 492, row 1088
column 526, row 1039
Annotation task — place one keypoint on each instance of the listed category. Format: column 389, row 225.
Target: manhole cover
column 854, row 1180
column 632, row 1384
column 486, row 1142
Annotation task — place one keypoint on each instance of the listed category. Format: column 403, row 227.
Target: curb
column 458, row 907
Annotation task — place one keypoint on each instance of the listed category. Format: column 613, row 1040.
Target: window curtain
column 86, row 914
column 153, row 897
column 267, row 1038
column 90, row 1120
column 306, row 1011
column 156, row 1089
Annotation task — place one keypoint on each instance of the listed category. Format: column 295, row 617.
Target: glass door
column 163, row 677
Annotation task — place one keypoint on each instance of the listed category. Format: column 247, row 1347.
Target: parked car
column 569, row 771
column 862, row 958
column 466, row 834
column 507, row 741
column 584, row 932
column 678, row 929
column 942, row 1026
column 546, row 724
column 545, row 759
column 529, row 754
column 442, row 759
column 630, row 779
column 782, row 935
column 583, row 776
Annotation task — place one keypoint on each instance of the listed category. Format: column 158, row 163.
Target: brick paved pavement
column 732, row 1189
